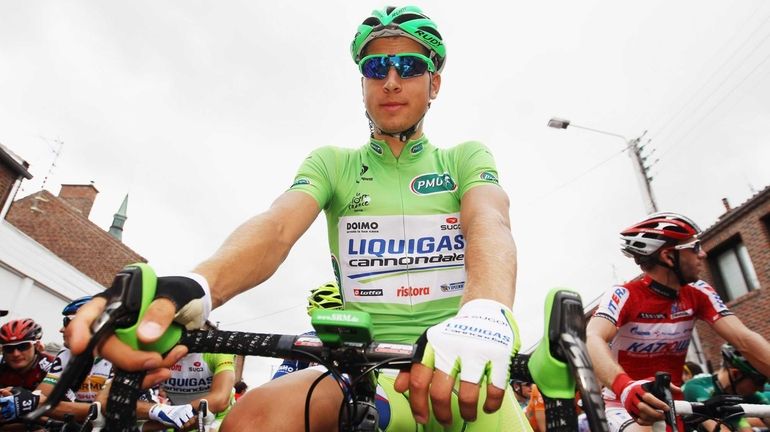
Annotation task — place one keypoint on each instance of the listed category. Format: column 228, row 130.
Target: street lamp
column 634, row 152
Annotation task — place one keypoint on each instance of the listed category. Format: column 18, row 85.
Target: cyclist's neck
column 664, row 276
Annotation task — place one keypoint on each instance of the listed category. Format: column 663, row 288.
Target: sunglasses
column 408, row 65
column 7, row 349
column 66, row 321
column 694, row 245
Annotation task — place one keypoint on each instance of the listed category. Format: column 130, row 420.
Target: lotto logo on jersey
column 360, row 292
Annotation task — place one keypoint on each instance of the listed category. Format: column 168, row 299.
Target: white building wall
column 35, row 283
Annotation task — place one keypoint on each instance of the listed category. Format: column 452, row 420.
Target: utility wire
column 577, row 177
column 719, row 69
column 711, row 111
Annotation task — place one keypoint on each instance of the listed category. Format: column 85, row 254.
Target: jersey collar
column 412, row 150
column 659, row 288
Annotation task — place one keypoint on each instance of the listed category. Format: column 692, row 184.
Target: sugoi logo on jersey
column 432, row 183
column 300, row 181
column 359, row 201
column 452, row 287
column 674, row 347
column 360, row 292
column 488, row 176
column 196, row 367
column 362, row 227
column 452, row 223
column 412, row 291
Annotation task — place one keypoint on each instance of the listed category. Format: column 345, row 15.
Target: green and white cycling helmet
column 408, row 21
column 735, row 359
column 326, row 296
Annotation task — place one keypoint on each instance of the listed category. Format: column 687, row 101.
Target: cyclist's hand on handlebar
column 476, row 345
column 643, row 406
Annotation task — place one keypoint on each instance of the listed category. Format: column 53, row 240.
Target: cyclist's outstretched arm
column 78, row 409
column 249, row 256
column 490, row 264
column 218, row 397
column 751, row 344
column 253, row 252
column 490, row 253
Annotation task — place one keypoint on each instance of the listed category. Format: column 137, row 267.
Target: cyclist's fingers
column 441, row 387
column 123, row 357
column 419, row 384
column 78, row 331
column 653, row 402
column 494, row 400
column 402, row 382
column 469, row 400
column 156, row 320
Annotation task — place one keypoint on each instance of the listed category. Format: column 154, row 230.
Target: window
column 734, row 270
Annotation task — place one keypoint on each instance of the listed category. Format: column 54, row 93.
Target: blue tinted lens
column 407, row 66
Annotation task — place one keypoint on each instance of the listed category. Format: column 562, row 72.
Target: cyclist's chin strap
column 676, row 268
column 402, row 136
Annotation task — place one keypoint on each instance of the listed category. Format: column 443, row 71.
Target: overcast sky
column 202, row 111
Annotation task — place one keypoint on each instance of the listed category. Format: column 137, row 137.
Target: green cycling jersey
column 394, row 227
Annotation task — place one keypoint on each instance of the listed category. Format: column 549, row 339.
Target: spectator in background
column 689, row 370
column 522, row 390
column 240, row 389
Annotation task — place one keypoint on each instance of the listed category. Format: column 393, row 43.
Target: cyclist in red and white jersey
column 644, row 326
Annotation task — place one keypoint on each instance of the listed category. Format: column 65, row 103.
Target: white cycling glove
column 478, row 342
column 172, row 415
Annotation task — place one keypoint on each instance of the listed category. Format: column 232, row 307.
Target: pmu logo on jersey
column 416, row 148
column 488, row 176
column 452, row 223
column 376, row 147
column 432, row 183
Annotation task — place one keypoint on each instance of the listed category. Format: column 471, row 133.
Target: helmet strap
column 676, row 267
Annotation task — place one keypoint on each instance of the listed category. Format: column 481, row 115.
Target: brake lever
column 122, row 308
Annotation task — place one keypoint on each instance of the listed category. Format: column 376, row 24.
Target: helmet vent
column 407, row 17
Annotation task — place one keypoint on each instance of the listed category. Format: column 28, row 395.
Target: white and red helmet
column 647, row 237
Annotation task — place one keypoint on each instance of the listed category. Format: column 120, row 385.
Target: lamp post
column 634, row 152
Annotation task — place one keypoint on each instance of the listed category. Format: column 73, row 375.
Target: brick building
column 50, row 252
column 61, row 224
column 738, row 245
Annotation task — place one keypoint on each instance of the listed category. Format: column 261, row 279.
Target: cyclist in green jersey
column 736, row 377
column 419, row 237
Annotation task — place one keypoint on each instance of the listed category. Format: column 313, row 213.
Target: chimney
column 79, row 196
column 726, row 204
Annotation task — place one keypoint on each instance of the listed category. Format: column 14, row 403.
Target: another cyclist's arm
column 78, row 409
column 751, row 344
column 218, row 397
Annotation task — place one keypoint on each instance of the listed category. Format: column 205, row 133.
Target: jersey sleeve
column 476, row 166
column 710, row 306
column 57, row 367
column 611, row 305
column 220, row 362
column 315, row 175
